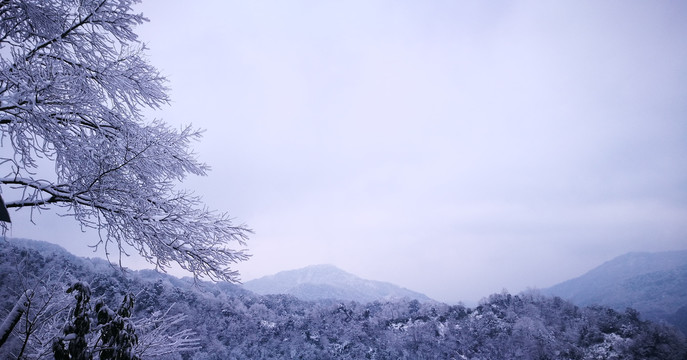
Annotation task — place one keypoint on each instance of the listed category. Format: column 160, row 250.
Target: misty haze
column 343, row 180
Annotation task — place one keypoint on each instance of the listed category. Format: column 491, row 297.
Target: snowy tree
column 74, row 343
column 45, row 305
column 73, row 84
column 100, row 333
column 118, row 336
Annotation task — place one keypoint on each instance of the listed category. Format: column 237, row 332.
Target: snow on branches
column 73, row 81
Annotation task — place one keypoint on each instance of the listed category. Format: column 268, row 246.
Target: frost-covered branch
column 159, row 337
column 14, row 316
column 73, row 81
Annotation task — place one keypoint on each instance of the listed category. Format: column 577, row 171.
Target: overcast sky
column 454, row 148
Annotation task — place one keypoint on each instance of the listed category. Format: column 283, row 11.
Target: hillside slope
column 655, row 284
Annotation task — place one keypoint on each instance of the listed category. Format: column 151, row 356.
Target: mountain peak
column 322, row 267
column 326, row 281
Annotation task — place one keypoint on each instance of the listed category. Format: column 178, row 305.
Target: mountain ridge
column 328, row 282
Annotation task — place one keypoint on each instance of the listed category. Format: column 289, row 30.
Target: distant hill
column 322, row 282
column 655, row 284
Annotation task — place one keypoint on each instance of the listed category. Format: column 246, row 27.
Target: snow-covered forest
column 224, row 321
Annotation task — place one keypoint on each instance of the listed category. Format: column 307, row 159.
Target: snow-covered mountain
column 655, row 284
column 321, row 282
